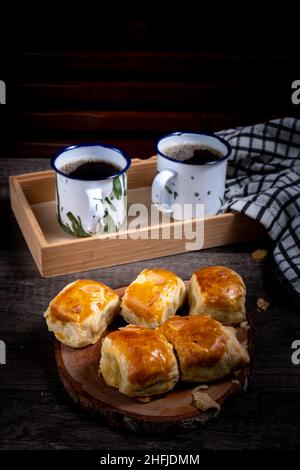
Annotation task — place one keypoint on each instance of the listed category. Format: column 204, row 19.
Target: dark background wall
column 130, row 79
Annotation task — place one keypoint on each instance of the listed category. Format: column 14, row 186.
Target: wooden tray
column 56, row 252
column 172, row 412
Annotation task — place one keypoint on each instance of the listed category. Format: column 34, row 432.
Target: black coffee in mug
column 90, row 170
column 193, row 154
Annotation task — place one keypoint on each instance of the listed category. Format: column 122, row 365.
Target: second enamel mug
column 191, row 170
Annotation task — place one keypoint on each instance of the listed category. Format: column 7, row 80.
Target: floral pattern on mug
column 85, row 207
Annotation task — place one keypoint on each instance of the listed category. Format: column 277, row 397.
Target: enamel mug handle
column 96, row 210
column 159, row 189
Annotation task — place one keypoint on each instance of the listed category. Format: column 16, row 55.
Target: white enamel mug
column 179, row 187
column 85, row 207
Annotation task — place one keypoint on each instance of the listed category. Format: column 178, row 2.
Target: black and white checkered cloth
column 263, row 182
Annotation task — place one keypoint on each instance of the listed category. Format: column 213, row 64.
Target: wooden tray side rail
column 32, row 201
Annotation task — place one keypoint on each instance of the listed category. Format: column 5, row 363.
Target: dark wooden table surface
column 37, row 413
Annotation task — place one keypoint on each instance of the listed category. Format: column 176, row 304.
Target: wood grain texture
column 36, row 412
column 147, row 62
column 42, row 133
column 38, row 148
column 125, row 92
column 131, row 97
column 138, row 122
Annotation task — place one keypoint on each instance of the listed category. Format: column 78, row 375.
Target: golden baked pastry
column 153, row 297
column 219, row 292
column 80, row 313
column 138, row 361
column 205, row 349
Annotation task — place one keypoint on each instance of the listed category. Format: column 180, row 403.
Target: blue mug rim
column 90, row 144
column 207, row 134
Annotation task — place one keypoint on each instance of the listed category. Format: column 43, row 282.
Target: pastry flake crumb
column 259, row 255
column 203, row 401
column 262, row 304
column 143, row 399
column 235, row 381
column 200, row 387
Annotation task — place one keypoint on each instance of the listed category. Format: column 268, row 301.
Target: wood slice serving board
column 172, row 412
